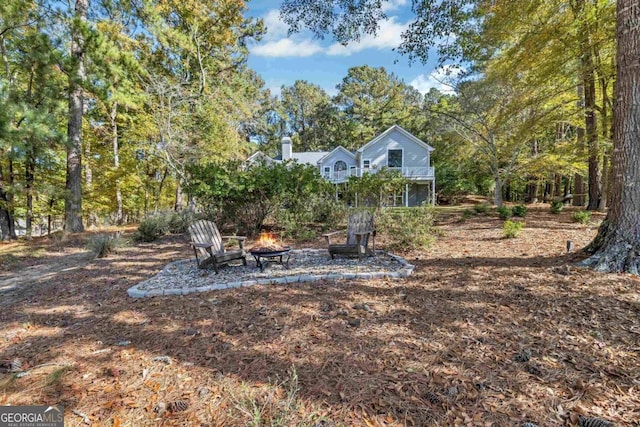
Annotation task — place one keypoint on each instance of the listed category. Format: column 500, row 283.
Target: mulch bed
column 487, row 332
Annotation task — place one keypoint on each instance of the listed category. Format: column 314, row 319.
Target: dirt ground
column 487, row 332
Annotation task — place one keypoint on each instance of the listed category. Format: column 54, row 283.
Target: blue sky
column 282, row 59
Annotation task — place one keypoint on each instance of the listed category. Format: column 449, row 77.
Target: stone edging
column 406, row 270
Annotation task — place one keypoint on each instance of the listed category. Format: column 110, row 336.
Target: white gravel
column 305, row 265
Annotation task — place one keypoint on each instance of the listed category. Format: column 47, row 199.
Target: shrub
column 244, row 198
column 294, row 226
column 161, row 223
column 328, row 212
column 178, row 222
column 466, row 214
column 519, row 210
column 481, row 208
column 556, row 206
column 582, row 217
column 150, row 229
column 511, row 229
column 407, row 228
column 504, row 212
column 105, row 244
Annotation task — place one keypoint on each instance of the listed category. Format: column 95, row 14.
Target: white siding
column 338, row 155
column 413, row 154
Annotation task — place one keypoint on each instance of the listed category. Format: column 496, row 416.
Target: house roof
column 258, row 155
column 402, row 131
column 338, row 148
column 310, row 157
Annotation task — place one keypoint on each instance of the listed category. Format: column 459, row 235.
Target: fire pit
column 267, row 249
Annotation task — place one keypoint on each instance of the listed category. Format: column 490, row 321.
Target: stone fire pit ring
column 306, row 265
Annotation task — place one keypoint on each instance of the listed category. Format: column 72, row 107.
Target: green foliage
column 505, row 212
column 583, row 217
column 370, row 100
column 105, row 244
column 407, row 228
column 328, row 212
column 154, row 226
column 467, row 213
column 243, row 199
column 511, row 229
column 304, row 107
column 150, row 229
column 481, row 208
column 519, row 210
column 373, row 188
column 556, row 206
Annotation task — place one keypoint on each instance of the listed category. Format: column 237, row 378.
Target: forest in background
column 105, row 104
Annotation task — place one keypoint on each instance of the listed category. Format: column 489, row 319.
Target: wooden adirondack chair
column 359, row 229
column 209, row 248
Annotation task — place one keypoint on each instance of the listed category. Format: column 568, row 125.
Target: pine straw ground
column 446, row 347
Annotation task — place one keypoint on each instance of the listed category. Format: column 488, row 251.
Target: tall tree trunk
column 579, row 187
column 49, row 216
column 179, row 203
column 29, row 176
column 595, row 177
column 591, row 124
column 532, row 190
column 156, row 205
column 7, row 232
column 567, row 187
column 77, row 76
column 557, row 186
column 617, row 246
column 497, row 192
column 116, row 160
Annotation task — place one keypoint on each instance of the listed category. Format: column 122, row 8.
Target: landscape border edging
column 406, row 270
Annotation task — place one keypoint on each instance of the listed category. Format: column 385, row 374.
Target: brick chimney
column 286, row 148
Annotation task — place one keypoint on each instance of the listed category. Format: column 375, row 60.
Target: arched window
column 340, row 166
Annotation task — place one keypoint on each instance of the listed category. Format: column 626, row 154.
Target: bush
column 466, row 214
column 328, row 212
column 161, row 223
column 407, row 228
column 150, row 229
column 178, row 222
column 105, row 244
column 294, row 226
column 582, row 217
column 244, row 198
column 512, row 229
column 519, row 211
column 504, row 212
column 481, row 208
column 556, row 206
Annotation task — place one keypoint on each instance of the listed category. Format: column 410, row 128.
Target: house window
column 366, row 164
column 327, row 172
column 340, row 166
column 353, row 171
column 394, row 158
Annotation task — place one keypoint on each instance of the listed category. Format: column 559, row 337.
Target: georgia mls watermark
column 32, row 416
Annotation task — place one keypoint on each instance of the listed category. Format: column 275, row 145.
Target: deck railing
column 410, row 172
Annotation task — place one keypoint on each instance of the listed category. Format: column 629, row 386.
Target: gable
column 396, row 132
column 339, row 153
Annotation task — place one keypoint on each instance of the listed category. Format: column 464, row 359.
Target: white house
column 395, row 149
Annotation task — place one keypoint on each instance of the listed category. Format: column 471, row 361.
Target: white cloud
column 277, row 44
column 276, row 28
column 388, row 37
column 287, row 48
column 442, row 78
column 393, row 5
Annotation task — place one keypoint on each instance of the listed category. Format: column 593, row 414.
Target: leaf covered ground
column 487, row 332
